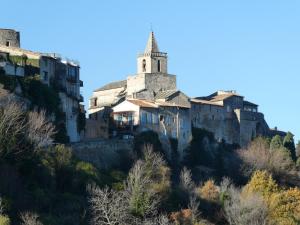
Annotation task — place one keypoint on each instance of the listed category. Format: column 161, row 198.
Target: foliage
column 285, row 207
column 9, row 82
column 245, row 209
column 197, row 153
column 278, row 162
column 298, row 150
column 147, row 138
column 22, row 132
column 46, row 98
column 4, row 220
column 288, row 143
column 263, row 183
column 276, row 143
column 29, row 218
column 209, row 191
column 148, row 182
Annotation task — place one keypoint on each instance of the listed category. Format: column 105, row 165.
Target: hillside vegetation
column 45, row 184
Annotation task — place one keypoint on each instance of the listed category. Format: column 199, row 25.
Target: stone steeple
column 152, row 60
column 151, row 44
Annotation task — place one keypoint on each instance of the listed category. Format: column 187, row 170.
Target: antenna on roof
column 151, row 28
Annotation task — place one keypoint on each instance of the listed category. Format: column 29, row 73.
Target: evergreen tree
column 288, row 143
column 276, row 143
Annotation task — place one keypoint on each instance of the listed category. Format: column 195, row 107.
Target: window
column 143, row 118
column 144, row 65
column 158, row 65
column 45, row 76
column 161, row 118
column 228, row 108
column 7, row 43
column 154, row 118
column 149, row 118
column 46, row 62
column 95, row 102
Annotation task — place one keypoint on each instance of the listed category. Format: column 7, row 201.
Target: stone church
column 150, row 100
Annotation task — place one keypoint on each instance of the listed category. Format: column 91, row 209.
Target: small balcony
column 81, row 83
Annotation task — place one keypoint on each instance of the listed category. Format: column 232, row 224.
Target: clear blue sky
column 249, row 46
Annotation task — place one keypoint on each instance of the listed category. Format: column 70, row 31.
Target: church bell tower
column 152, row 60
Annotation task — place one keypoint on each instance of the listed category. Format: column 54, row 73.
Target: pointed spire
column 151, row 44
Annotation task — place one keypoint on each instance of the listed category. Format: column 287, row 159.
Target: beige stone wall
column 217, row 120
column 11, row 36
column 96, row 129
column 152, row 64
column 135, row 83
column 20, row 52
column 104, row 154
column 105, row 98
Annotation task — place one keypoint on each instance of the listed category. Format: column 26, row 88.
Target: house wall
column 129, row 107
column 105, row 98
column 217, row 120
column 11, row 69
column 152, row 64
column 135, row 84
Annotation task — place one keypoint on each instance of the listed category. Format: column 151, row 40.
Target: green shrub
column 4, row 220
column 147, row 137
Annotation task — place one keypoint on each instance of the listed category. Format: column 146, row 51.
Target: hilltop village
column 147, row 100
column 150, row 100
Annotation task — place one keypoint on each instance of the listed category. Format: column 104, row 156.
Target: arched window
column 144, row 65
column 158, row 65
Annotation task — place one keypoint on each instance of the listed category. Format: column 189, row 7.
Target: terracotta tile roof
column 222, row 97
column 171, row 104
column 206, row 102
column 143, row 103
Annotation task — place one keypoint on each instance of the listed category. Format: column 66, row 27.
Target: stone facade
column 9, row 38
column 62, row 75
column 104, row 154
column 149, row 100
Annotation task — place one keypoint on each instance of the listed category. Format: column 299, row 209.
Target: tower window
column 144, row 65
column 158, row 65
column 95, row 103
column 7, row 43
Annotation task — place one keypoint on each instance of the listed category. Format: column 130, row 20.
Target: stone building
column 9, row 38
column 52, row 70
column 150, row 100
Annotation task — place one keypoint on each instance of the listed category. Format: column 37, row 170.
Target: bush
column 147, row 138
column 209, row 191
column 4, row 220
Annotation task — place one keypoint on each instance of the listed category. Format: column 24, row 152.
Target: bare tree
column 40, row 129
column 17, row 128
column 258, row 156
column 12, row 127
column 186, row 182
column 108, row 207
column 194, row 207
column 159, row 220
column 142, row 199
column 30, row 218
column 245, row 209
